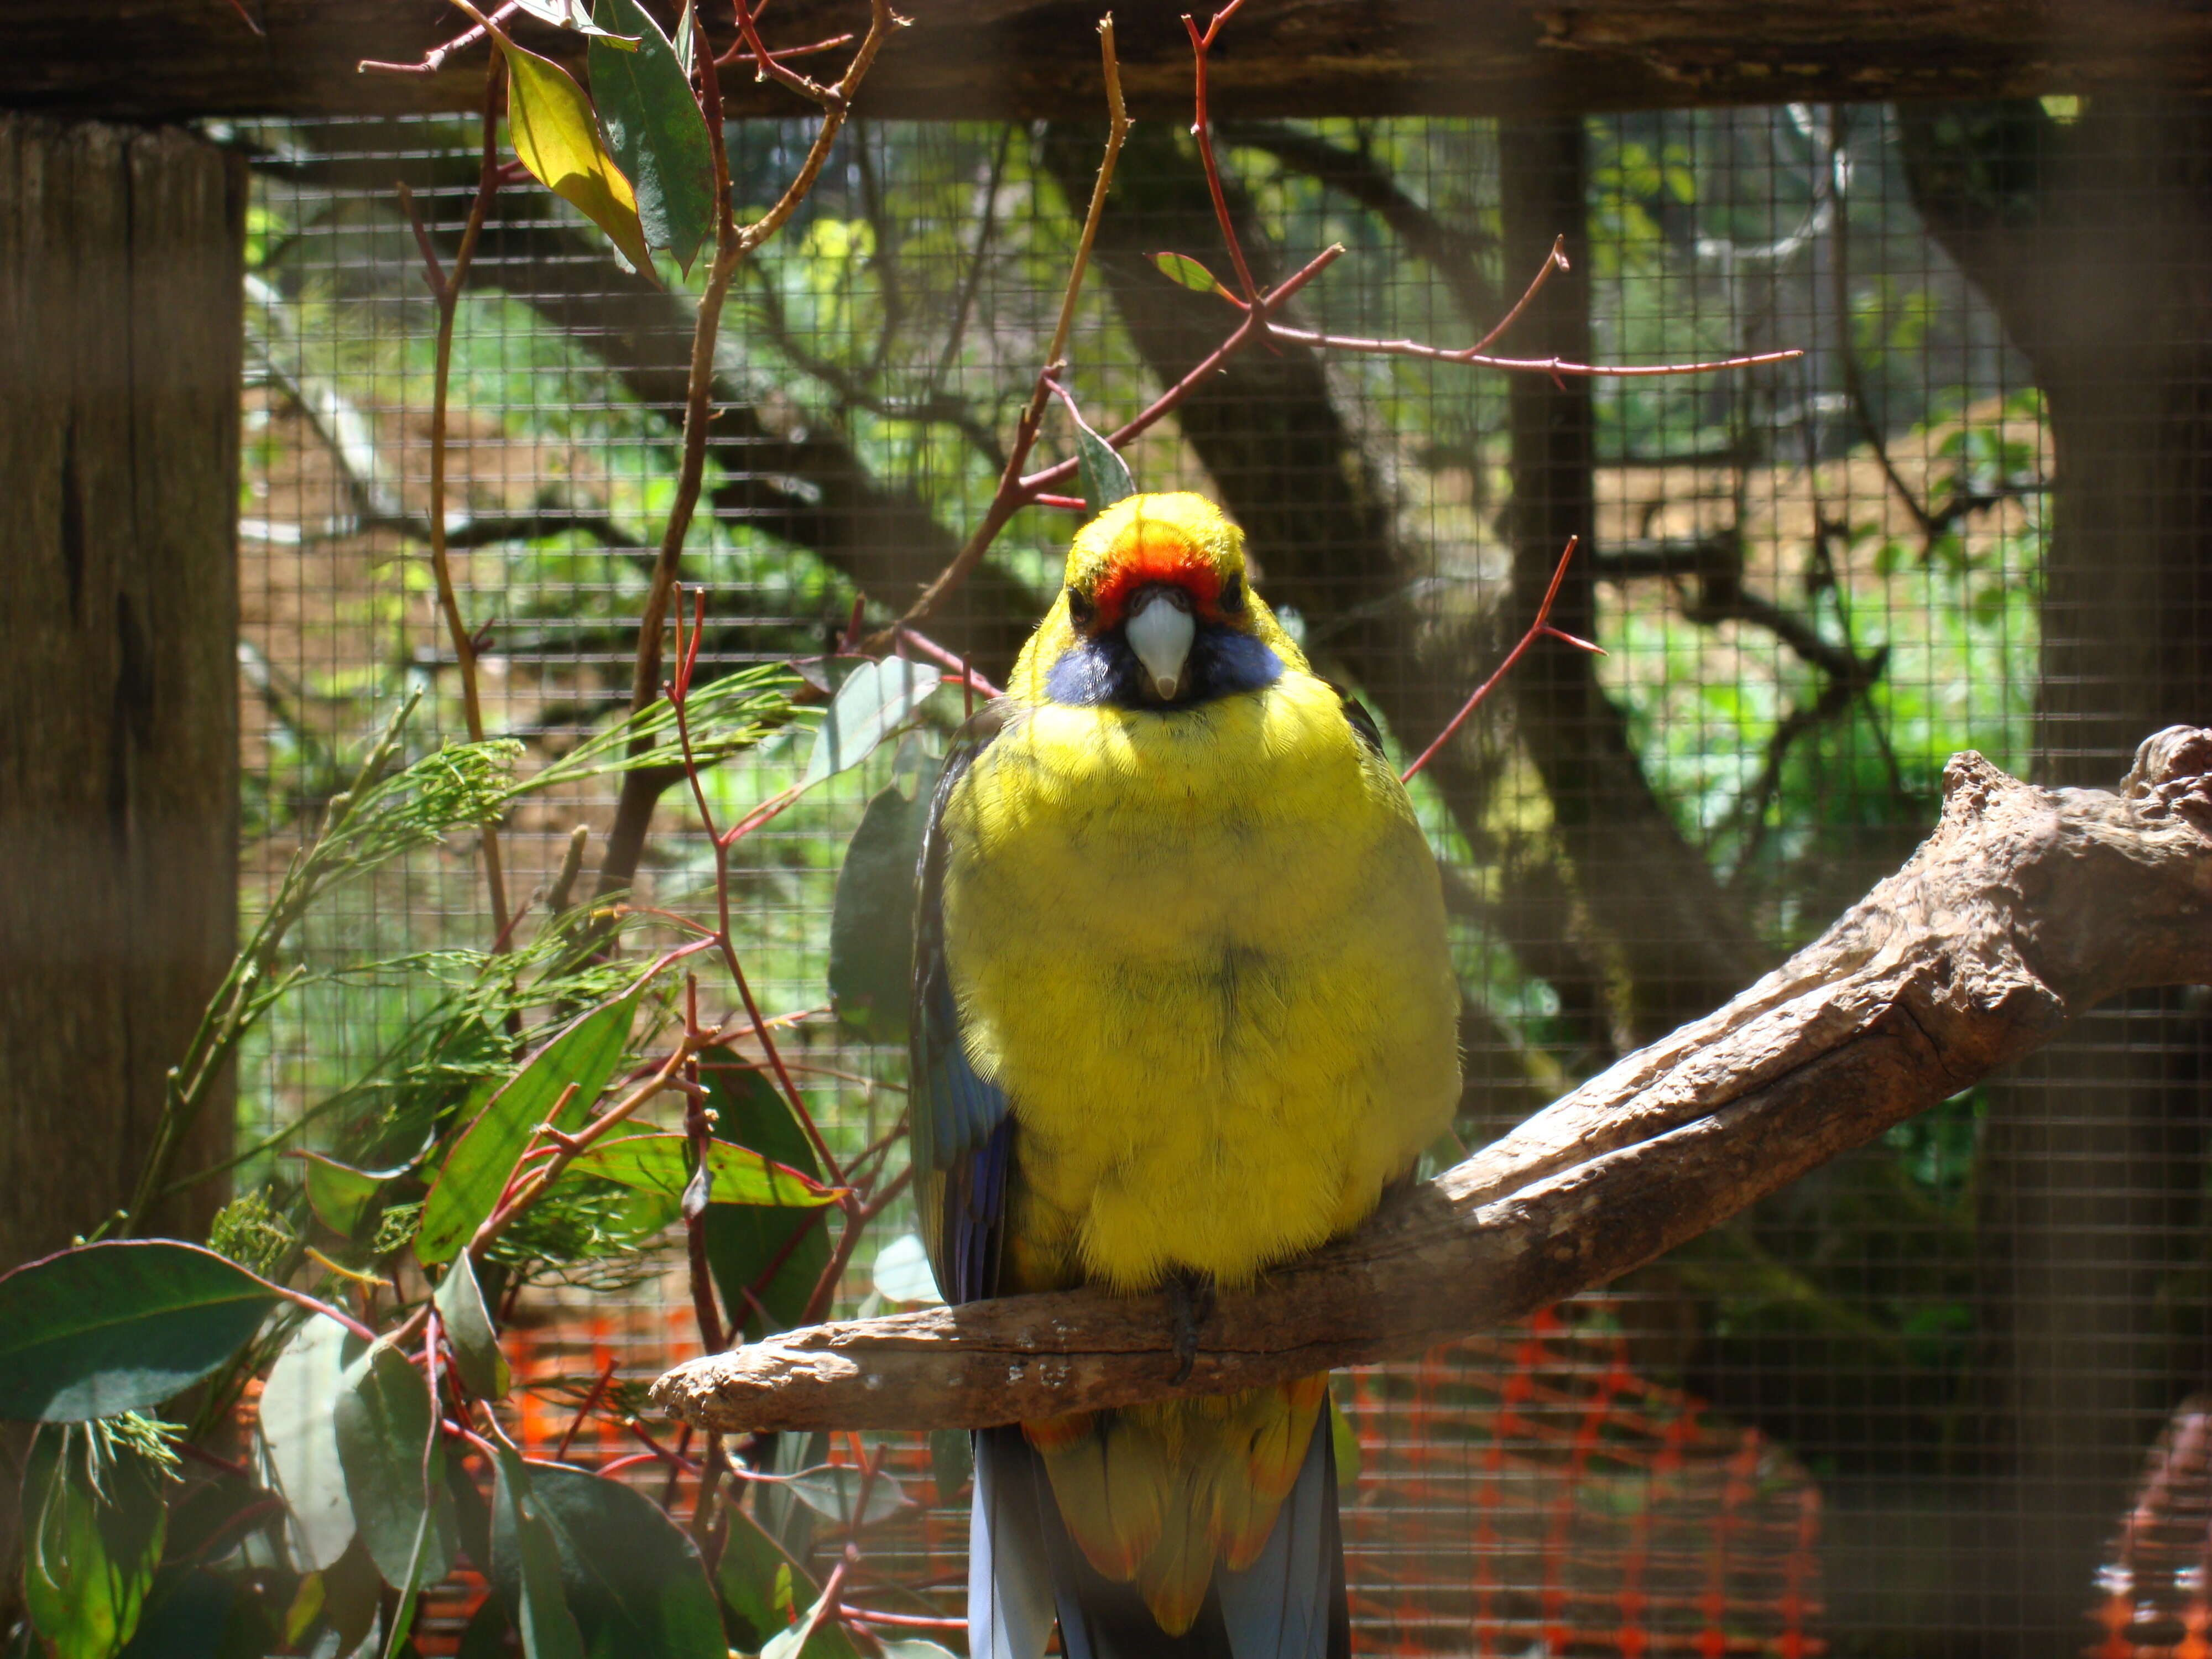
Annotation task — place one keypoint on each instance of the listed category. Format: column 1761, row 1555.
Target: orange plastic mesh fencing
column 1521, row 1491
column 2152, row 1582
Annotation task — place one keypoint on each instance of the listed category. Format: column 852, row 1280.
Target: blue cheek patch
column 1222, row 661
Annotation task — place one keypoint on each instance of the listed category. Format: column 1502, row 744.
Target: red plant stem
column 1537, row 629
column 824, row 1608
column 302, row 1299
column 1255, row 323
column 903, row 1620
column 740, row 53
column 583, row 1412
column 937, row 654
column 695, row 1211
column 1555, row 260
column 1202, row 130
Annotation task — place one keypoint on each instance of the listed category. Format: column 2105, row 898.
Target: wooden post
column 121, row 255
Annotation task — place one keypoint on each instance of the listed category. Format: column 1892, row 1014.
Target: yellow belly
column 1203, row 953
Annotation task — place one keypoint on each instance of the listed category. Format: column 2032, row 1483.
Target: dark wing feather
column 963, row 1138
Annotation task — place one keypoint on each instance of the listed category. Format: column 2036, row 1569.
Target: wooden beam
column 160, row 59
column 2025, row 907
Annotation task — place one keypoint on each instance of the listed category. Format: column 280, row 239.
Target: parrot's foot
column 1190, row 1304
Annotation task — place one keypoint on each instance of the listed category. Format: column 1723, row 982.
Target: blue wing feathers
column 1289, row 1603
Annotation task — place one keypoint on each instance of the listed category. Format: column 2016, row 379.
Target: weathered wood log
column 2025, row 907
column 1025, row 59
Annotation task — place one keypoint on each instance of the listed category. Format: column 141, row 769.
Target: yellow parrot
column 1183, row 1008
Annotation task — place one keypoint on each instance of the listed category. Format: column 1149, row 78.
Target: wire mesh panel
column 1895, row 1407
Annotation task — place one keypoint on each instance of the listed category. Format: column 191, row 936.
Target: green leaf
column 903, row 1273
column 550, row 120
column 1182, row 268
column 1345, row 1443
column 121, row 1325
column 194, row 1614
column 476, row 1353
column 394, row 1464
column 752, row 1566
column 1105, row 475
column 526, row 1566
column 572, row 14
column 951, row 1462
column 630, row 1575
column 831, row 1490
column 871, row 914
column 875, row 699
column 92, row 1527
column 660, row 1163
column 655, row 129
column 484, row 1637
column 915, row 1647
column 468, row 1188
column 299, row 1431
column 339, row 1195
column 744, row 1239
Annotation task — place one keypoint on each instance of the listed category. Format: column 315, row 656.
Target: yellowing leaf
column 556, row 136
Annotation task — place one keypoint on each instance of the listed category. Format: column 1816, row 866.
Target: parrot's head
column 1158, row 611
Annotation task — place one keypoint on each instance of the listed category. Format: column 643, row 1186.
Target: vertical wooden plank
column 120, row 276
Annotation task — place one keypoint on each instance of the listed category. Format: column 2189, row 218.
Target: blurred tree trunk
column 1680, row 944
column 121, row 269
column 2094, row 243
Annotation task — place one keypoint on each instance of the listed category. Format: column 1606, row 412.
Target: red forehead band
column 1152, row 552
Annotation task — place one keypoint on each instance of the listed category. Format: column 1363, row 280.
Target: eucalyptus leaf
column 832, row 1491
column 92, row 1527
column 658, row 1163
column 526, row 1566
column 875, row 699
column 119, row 1326
column 574, row 14
column 299, row 1431
column 630, row 1576
column 339, row 1195
column 1105, row 475
column 1182, row 268
column 477, row 1354
column 394, row 1462
column 654, row 130
column 585, row 1052
column 872, row 913
column 551, row 122
column 745, row 1242
column 753, row 1568
column 902, row 1272
column 951, row 1462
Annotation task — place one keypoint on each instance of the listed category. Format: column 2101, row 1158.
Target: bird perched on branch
column 1184, row 1009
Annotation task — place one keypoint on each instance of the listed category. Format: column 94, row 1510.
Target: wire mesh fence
column 1895, row 1408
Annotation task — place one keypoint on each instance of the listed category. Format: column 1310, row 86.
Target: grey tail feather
column 1289, row 1604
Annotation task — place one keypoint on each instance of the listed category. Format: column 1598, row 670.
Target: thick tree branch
column 2024, row 907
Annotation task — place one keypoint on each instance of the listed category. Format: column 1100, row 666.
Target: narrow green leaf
column 747, row 1578
column 655, row 129
column 340, row 1194
column 394, row 1464
column 476, row 1353
column 1182, row 268
column 915, row 1647
column 1345, row 1443
column 658, row 1164
column 629, row 1575
column 831, row 1490
column 526, row 1566
column 92, row 1538
column 951, row 1462
column 871, row 914
column 484, row 1637
column 299, row 1431
column 119, row 1325
column 550, row 120
column 468, row 1188
column 875, row 699
column 1105, row 475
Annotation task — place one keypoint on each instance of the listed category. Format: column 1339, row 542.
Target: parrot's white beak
column 1160, row 630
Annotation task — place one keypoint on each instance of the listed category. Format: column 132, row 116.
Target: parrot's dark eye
column 1232, row 594
column 1081, row 608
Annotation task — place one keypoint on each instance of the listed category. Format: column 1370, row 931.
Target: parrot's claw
column 1190, row 1303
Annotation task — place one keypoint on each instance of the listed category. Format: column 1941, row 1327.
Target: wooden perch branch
column 2024, row 907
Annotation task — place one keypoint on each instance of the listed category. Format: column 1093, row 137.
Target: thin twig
column 1202, row 130
column 1539, row 629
